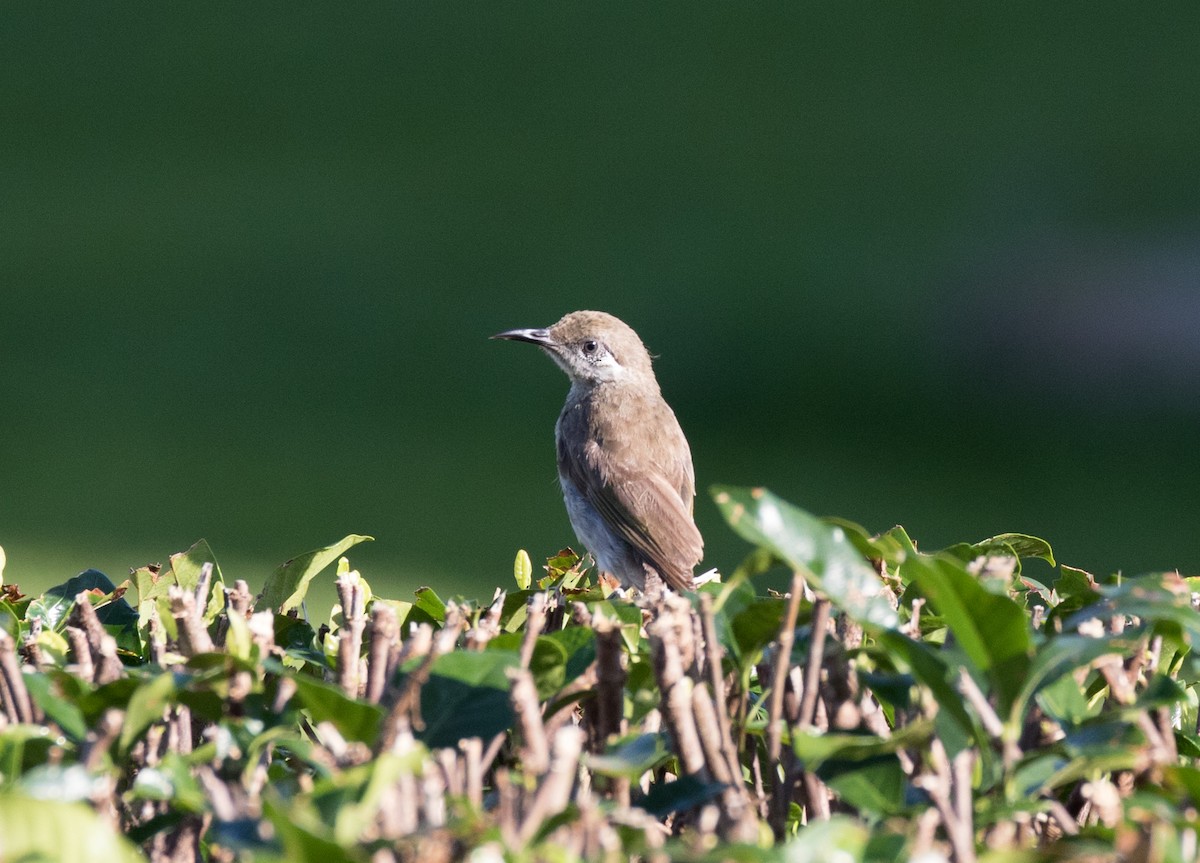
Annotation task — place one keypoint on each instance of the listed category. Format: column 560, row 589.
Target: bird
column 623, row 462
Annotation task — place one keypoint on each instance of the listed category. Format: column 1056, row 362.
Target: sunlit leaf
column 187, row 567
column 287, row 586
column 822, row 552
column 431, row 604
column 886, row 547
column 523, row 570
column 35, row 829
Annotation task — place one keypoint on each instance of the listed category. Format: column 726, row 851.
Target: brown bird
column 623, row 462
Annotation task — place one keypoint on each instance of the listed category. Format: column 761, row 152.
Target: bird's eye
column 589, row 347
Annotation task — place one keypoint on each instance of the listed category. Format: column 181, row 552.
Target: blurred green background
column 936, row 265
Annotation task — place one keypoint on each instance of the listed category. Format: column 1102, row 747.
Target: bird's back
column 634, row 469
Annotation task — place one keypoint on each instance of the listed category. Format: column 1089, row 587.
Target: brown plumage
column 623, row 462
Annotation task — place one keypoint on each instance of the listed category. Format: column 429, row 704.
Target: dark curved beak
column 540, row 336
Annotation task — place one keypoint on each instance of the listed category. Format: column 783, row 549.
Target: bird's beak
column 539, row 337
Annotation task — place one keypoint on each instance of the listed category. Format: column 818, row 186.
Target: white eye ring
column 590, row 346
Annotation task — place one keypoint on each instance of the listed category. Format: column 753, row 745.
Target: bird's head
column 591, row 347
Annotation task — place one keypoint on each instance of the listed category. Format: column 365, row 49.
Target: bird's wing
column 629, row 498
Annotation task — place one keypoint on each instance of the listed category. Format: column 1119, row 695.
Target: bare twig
column 609, row 706
column 1060, row 814
column 382, row 650
column 488, row 625
column 472, row 751
column 18, row 706
column 940, row 786
column 554, row 793
column 716, row 679
column 534, row 621
column 405, row 713
column 84, row 667
column 812, row 671
column 535, row 750
column 676, row 689
column 83, row 615
column 783, row 661
column 193, row 637
column 988, row 717
column 352, row 597
column 110, row 667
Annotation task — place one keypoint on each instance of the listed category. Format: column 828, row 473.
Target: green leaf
column 47, row 829
column 296, row 637
column 1064, row 701
column 814, row 748
column 1022, row 545
column 875, row 786
column 286, row 586
column 467, row 695
column 187, row 567
column 93, row 701
column 357, row 812
column 822, row 552
column 548, row 665
column 59, row 709
column 431, row 604
column 54, row 647
column 1078, row 585
column 838, row 840
column 862, row 768
column 629, row 618
column 153, row 584
column 579, row 644
column 304, row 845
column 1017, row 546
column 729, row 600
column 757, row 625
column 55, row 605
column 1034, row 771
column 515, row 610
column 1056, row 660
column 892, row 690
column 1184, row 779
column 558, row 566
column 61, row 783
column 929, row 668
column 147, row 704
column 354, row 719
column 992, row 630
column 631, row 756
column 684, row 793
column 1155, row 598
column 171, row 780
column 523, row 570
column 557, row 658
column 886, row 547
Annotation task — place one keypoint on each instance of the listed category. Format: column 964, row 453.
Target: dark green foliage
column 1036, row 710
